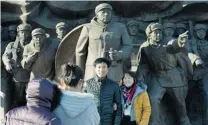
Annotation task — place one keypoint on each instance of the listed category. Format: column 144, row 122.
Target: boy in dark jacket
column 39, row 96
column 106, row 93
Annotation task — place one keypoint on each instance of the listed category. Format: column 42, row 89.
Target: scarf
column 129, row 93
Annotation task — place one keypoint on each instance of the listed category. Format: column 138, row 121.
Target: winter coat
column 77, row 108
column 106, row 95
column 140, row 110
column 37, row 111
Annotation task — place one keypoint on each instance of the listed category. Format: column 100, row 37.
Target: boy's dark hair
column 102, row 60
column 71, row 74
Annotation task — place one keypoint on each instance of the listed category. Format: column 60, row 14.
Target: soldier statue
column 180, row 28
column 12, row 58
column 39, row 55
column 169, row 30
column 12, row 32
column 61, row 31
column 133, row 28
column 103, row 38
column 199, row 59
column 158, row 61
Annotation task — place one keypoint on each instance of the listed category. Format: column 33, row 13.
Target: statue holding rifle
column 12, row 58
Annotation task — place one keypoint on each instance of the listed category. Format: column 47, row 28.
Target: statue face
column 38, row 40
column 61, row 32
column 156, row 36
column 169, row 32
column 128, row 81
column 180, row 31
column 200, row 34
column 23, row 35
column 101, row 70
column 104, row 15
column 133, row 30
column 12, row 35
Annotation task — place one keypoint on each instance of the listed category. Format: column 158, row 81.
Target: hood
column 141, row 87
column 40, row 93
column 74, row 103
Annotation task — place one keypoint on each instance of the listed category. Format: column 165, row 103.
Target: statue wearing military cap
column 137, row 39
column 180, row 28
column 199, row 58
column 39, row 55
column 92, row 43
column 158, row 63
column 133, row 27
column 61, row 30
column 12, row 58
column 12, row 29
column 168, row 30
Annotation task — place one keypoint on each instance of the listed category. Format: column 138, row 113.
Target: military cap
column 103, row 6
column 152, row 27
column 38, row 31
column 24, row 26
column 200, row 26
column 61, row 24
column 132, row 22
column 12, row 28
column 180, row 25
column 169, row 25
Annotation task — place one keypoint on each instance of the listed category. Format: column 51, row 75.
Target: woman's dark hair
column 71, row 74
column 56, row 98
column 102, row 60
column 132, row 74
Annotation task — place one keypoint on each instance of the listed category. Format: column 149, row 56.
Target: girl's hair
column 71, row 74
column 132, row 74
column 56, row 98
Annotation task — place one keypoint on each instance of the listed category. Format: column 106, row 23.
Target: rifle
column 14, row 54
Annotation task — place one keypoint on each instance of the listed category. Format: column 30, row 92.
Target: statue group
column 171, row 57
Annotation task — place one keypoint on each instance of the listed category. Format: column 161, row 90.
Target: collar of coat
column 97, row 79
column 94, row 21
